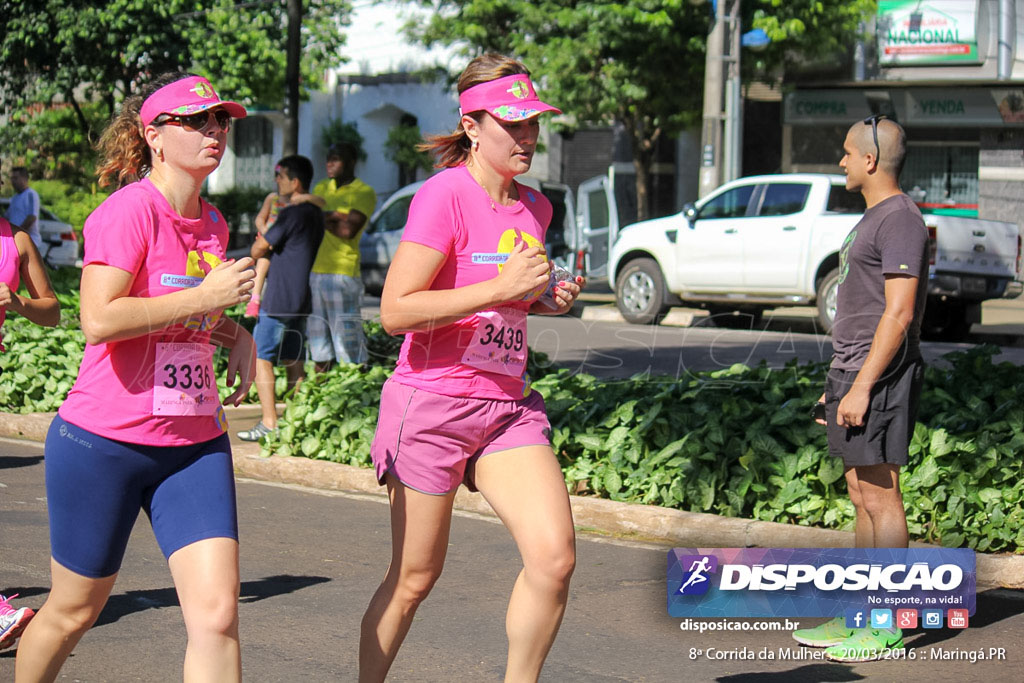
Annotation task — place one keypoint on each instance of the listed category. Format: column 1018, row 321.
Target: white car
column 380, row 239
column 60, row 244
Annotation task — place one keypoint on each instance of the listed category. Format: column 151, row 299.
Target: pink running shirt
column 10, row 267
column 454, row 215
column 136, row 230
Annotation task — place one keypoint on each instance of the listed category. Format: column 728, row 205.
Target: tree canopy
column 639, row 64
column 802, row 31
column 83, row 50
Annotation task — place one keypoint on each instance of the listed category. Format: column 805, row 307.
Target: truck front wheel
column 828, row 288
column 640, row 292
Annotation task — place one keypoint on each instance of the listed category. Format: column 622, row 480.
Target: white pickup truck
column 769, row 241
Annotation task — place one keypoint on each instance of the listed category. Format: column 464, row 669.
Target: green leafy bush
column 239, row 207
column 735, row 442
column 40, row 364
column 71, row 204
column 707, row 443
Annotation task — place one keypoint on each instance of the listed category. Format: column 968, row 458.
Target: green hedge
column 735, row 442
column 41, row 363
column 738, row 442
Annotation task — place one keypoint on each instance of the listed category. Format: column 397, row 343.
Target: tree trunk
column 83, row 123
column 643, row 141
column 294, row 54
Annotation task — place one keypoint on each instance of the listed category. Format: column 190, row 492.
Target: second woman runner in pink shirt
column 459, row 406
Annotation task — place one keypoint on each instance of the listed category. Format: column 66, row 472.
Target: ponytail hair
column 125, row 156
column 453, row 149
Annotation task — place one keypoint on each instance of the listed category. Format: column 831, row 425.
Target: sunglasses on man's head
column 873, row 122
column 197, row 122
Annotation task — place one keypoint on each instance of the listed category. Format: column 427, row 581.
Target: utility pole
column 721, row 137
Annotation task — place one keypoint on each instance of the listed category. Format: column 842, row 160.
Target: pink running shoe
column 12, row 621
column 252, row 309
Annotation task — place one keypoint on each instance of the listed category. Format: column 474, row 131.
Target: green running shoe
column 867, row 645
column 832, row 632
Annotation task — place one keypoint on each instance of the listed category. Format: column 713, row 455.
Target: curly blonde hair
column 453, row 149
column 125, row 155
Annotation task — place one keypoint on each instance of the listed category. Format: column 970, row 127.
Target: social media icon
column 855, row 618
column 931, row 618
column 881, row 618
column 957, row 618
column 906, row 618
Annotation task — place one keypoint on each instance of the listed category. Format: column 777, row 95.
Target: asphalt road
column 618, row 349
column 311, row 559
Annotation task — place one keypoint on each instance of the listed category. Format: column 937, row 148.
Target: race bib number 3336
column 183, row 380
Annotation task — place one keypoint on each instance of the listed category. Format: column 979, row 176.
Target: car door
column 596, row 224
column 775, row 240
column 709, row 250
column 561, row 241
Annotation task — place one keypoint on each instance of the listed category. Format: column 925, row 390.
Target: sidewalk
column 1002, row 320
column 641, row 523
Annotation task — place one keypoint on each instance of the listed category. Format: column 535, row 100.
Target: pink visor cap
column 511, row 98
column 185, row 97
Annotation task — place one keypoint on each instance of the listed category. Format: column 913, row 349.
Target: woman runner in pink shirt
column 20, row 262
column 143, row 427
column 459, row 406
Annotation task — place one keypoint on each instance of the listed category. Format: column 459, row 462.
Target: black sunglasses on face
column 873, row 122
column 197, row 122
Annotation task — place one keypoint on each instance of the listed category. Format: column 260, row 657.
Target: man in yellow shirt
column 335, row 328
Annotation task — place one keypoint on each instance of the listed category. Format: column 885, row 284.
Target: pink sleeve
column 431, row 219
column 117, row 233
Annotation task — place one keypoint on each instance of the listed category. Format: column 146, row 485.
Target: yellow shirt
column 336, row 255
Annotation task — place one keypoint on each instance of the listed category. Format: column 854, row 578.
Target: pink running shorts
column 426, row 440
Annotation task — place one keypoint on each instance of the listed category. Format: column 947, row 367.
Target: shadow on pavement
column 992, row 607
column 123, row 604
column 7, row 462
column 812, row 673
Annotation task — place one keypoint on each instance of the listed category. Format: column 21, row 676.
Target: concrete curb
column 627, row 520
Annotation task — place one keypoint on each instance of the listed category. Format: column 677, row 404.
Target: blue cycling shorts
column 95, row 488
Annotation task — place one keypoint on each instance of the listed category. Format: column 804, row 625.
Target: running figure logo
column 696, row 581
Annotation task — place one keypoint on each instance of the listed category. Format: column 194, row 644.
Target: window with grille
column 254, row 148
column 942, row 178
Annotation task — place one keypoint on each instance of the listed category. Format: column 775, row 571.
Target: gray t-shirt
column 891, row 239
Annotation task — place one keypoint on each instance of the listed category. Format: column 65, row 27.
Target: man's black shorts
column 889, row 423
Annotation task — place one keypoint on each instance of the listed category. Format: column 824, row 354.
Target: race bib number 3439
column 183, row 380
column 499, row 343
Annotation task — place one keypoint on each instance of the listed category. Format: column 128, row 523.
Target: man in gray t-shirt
column 874, row 383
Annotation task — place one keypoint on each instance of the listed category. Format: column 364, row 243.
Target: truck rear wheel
column 640, row 292
column 828, row 289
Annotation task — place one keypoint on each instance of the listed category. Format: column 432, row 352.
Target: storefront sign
column 948, row 107
column 923, row 32
column 825, row 106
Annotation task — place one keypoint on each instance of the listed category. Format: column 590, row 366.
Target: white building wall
column 378, row 108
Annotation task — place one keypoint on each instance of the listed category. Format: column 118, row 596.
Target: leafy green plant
column 735, row 442
column 239, row 205
column 71, row 204
column 401, row 148
column 336, row 131
column 706, row 443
